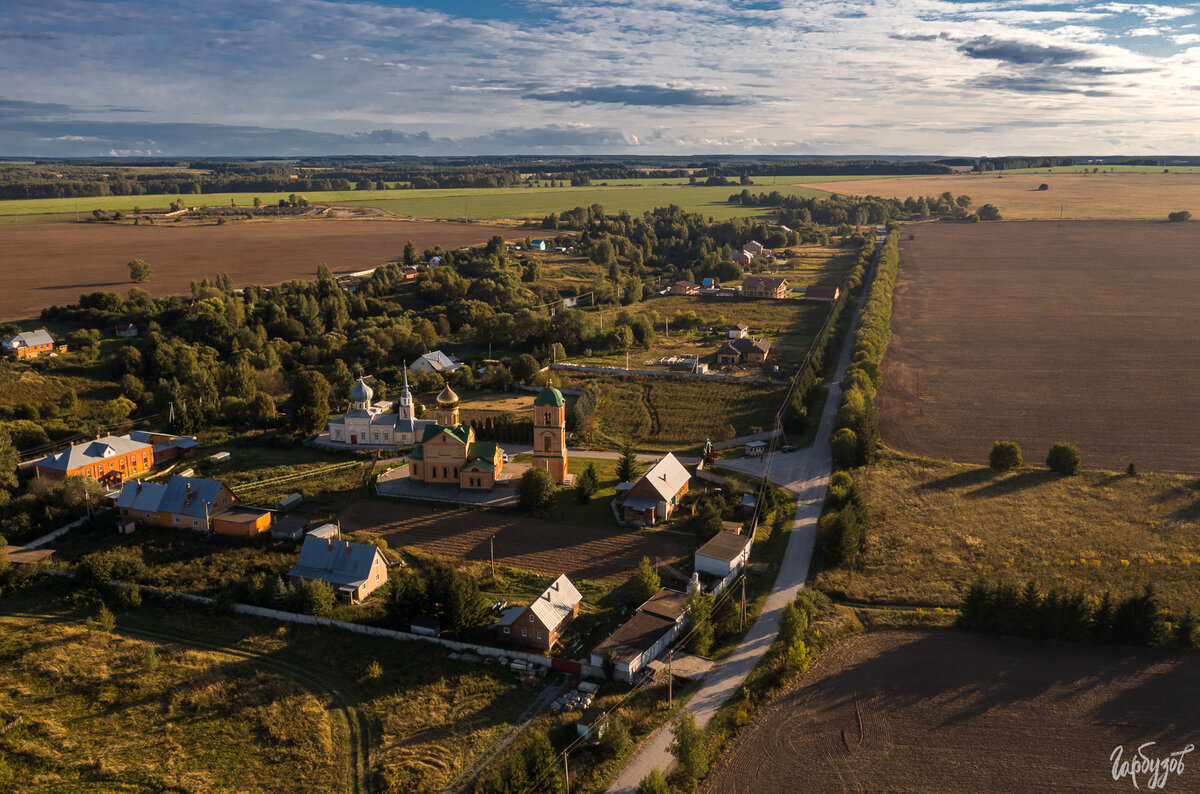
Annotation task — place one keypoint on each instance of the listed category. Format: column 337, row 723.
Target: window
column 539, row 635
column 195, row 523
column 147, row 515
column 547, row 418
column 524, row 633
column 176, row 519
column 547, row 442
column 531, row 618
column 506, row 630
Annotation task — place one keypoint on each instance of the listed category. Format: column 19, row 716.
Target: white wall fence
column 660, row 374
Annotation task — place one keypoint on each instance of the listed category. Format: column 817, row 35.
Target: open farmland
column 1039, row 333
column 935, row 527
column 63, row 260
column 1136, row 196
column 917, row 712
column 546, row 547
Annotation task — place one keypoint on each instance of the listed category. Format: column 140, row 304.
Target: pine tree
column 646, row 582
column 587, row 484
column 627, row 468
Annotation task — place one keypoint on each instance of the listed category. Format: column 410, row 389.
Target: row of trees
column 1063, row 459
column 1002, row 608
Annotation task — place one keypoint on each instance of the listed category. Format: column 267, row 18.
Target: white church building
column 368, row 425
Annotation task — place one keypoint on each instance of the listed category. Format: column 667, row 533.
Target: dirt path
column 948, row 711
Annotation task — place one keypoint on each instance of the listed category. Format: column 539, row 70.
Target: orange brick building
column 30, row 344
column 109, row 459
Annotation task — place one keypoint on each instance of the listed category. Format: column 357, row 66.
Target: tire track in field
column 356, row 725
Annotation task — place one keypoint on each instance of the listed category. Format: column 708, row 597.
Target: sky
column 764, row 77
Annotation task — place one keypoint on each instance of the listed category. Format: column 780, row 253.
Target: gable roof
column 724, row 546
column 667, row 477
column 29, row 339
column 740, row 327
column 141, row 496
column 750, row 345
column 188, row 495
column 767, row 282
column 556, row 602
column 90, row 452
column 338, row 562
column 821, row 291
column 458, row 432
column 727, row 349
column 437, row 361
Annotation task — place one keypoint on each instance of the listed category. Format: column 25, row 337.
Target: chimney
column 189, row 487
column 329, row 544
column 347, row 547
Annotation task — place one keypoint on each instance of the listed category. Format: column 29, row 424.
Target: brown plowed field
column 1036, row 332
column 545, row 547
column 57, row 262
column 940, row 712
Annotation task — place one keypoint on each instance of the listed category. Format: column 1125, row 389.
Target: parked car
column 787, row 448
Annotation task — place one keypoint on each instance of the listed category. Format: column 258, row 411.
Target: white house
column 641, row 639
column 739, row 331
column 437, row 361
column 724, row 554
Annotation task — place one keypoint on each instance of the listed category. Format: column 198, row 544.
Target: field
column 935, row 527
column 1039, row 333
column 917, row 711
column 1136, row 196
column 213, row 703
column 70, row 259
column 661, row 414
column 545, row 547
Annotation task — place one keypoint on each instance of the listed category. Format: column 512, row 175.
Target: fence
column 658, row 374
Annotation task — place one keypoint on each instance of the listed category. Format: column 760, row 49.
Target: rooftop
column 724, row 546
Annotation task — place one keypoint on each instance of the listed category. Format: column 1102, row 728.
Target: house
column 591, row 724
column 166, row 446
column 191, row 503
column 449, row 454
column 743, row 351
column 723, row 554
column 368, row 424
column 437, row 361
column 29, row 344
column 710, row 283
column 764, row 287
column 108, row 459
column 355, row 570
column 684, row 288
column 537, row 245
column 542, row 623
column 739, row 331
column 744, row 259
column 819, row 292
column 754, row 248
column 642, row 638
column 755, row 449
column 655, row 496
column 126, row 329
column 289, row 528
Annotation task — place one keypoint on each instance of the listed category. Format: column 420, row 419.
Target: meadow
column 934, row 527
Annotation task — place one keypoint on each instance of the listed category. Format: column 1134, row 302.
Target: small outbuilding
column 643, row 637
column 739, row 331
column 723, row 554
column 755, row 449
column 821, row 292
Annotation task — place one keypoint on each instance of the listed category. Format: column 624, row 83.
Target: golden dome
column 447, row 399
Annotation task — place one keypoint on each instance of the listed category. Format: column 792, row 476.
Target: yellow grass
column 934, row 527
column 1079, row 196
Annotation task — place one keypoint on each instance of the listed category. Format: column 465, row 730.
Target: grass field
column 935, row 527
column 909, row 711
column 1137, row 196
column 677, row 414
column 1039, row 333
column 1112, row 169
column 206, row 702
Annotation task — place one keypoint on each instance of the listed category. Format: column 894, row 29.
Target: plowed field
column 924, row 712
column 545, row 547
column 57, row 262
column 1038, row 332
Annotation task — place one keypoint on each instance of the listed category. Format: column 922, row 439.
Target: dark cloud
column 648, row 95
column 916, row 36
column 20, row 109
column 1020, row 52
column 1036, row 84
column 8, row 35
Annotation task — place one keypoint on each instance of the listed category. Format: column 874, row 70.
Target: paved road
column 806, row 474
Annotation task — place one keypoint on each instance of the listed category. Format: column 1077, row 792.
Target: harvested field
column 1076, row 196
column 917, row 712
column 70, row 259
column 547, row 547
column 1038, row 333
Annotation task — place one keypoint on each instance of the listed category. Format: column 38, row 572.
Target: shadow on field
column 1013, row 484
column 960, row 480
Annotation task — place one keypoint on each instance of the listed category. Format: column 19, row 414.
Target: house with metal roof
column 354, row 570
column 642, row 639
column 29, row 344
column 543, row 622
column 108, row 459
column 369, row 424
column 655, row 496
column 437, row 361
column 822, row 292
column 184, row 502
column 742, row 351
column 723, row 554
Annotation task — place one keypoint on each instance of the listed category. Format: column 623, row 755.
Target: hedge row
column 856, row 428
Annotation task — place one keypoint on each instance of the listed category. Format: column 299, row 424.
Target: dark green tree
column 587, row 484
column 700, row 627
column 1063, row 459
column 627, row 467
column 655, row 782
column 536, row 490
column 1005, row 456
column 645, row 582
column 139, row 271
column 689, row 746
column 310, row 402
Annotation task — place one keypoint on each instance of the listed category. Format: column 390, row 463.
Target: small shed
column 748, row 503
column 326, row 531
column 289, row 527
column 425, row 626
column 723, row 554
column 289, row 501
column 219, row 458
column 591, row 724
column 755, row 449
column 126, row 527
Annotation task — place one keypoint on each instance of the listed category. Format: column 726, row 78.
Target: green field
column 474, row 203
column 1105, row 169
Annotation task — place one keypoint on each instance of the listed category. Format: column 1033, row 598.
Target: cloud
column 7, row 35
column 1035, row 84
column 1020, row 52
column 647, row 95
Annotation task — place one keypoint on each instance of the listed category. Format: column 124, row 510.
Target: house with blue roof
column 192, row 503
column 353, row 570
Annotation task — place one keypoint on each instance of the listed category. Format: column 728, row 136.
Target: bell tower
column 550, row 433
column 405, row 409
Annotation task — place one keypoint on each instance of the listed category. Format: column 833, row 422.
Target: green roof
column 480, row 464
column 484, row 450
column 417, row 453
column 550, row 396
column 459, row 432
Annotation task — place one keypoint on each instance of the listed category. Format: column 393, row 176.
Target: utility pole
column 742, row 624
column 492, row 554
column 670, row 681
column 566, row 774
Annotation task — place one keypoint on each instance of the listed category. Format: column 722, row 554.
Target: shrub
column 104, row 620
column 989, row 212
column 844, row 448
column 1179, row 217
column 1005, row 456
column 1063, row 459
column 689, row 746
column 535, row 490
column 129, row 596
column 654, row 783
column 1043, row 186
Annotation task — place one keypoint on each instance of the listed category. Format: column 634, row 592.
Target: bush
column 989, row 212
column 1063, row 459
column 1005, row 456
column 1043, row 186
column 689, row 746
column 536, row 490
column 1179, row 217
column 654, row 783
column 844, row 448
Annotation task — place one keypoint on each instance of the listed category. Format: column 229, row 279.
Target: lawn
column 677, row 414
column 934, row 527
column 207, row 702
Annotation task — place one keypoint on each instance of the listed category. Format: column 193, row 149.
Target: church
column 374, row 425
column 448, row 453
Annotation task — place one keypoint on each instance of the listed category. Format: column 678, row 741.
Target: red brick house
column 542, row 623
column 655, row 496
column 29, row 344
column 764, row 287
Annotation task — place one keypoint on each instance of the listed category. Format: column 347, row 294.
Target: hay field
column 934, row 527
column 61, row 261
column 1123, row 195
column 1037, row 333
column 945, row 711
